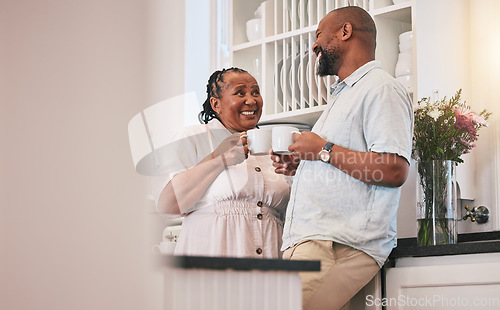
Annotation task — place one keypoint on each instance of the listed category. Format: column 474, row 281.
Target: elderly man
column 349, row 170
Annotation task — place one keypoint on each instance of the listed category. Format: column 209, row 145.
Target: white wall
column 465, row 58
column 485, row 79
column 75, row 227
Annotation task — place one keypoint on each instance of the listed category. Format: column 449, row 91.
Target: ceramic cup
column 254, row 29
column 282, row 138
column 165, row 248
column 259, row 141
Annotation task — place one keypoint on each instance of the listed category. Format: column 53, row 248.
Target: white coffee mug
column 282, row 138
column 259, row 141
column 165, row 248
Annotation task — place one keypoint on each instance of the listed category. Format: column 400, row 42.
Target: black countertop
column 470, row 243
column 223, row 263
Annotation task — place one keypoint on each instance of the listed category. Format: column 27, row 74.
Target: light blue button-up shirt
column 368, row 112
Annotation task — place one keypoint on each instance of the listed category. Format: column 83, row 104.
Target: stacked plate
column 293, row 86
column 404, row 70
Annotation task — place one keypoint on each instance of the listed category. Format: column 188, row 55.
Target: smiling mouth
column 248, row 112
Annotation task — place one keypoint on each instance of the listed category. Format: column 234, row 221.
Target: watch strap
column 328, row 146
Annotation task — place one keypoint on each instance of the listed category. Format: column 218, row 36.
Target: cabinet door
column 442, row 46
column 460, row 286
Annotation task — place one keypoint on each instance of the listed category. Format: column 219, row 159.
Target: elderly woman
column 233, row 202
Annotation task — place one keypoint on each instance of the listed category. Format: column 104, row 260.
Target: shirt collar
column 357, row 75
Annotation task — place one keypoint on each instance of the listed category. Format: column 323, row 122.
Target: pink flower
column 464, row 124
column 471, row 116
column 479, row 120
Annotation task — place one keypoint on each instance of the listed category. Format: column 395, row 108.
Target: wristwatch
column 325, row 154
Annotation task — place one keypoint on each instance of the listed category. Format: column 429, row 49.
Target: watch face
column 324, row 155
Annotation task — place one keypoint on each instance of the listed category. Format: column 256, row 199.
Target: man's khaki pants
column 344, row 272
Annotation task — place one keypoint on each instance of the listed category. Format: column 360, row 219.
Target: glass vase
column 436, row 202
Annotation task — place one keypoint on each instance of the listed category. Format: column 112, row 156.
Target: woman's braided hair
column 214, row 88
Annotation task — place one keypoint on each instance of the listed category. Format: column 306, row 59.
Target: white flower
column 479, row 120
column 421, row 105
column 435, row 114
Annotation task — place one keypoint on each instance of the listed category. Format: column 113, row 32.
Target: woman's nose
column 250, row 100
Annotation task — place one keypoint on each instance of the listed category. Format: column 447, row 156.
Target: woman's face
column 239, row 105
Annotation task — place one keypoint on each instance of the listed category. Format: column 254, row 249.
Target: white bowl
column 254, row 29
column 405, row 57
column 404, row 64
column 405, row 47
column 406, row 81
column 405, row 36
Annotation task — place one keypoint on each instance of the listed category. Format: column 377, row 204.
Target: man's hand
column 307, row 145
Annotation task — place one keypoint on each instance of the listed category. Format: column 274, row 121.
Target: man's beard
column 329, row 62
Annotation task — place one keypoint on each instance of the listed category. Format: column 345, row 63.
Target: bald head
column 345, row 40
column 362, row 23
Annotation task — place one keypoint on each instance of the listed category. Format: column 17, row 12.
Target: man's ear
column 346, row 31
column 214, row 102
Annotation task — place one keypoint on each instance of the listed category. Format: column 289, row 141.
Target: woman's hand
column 181, row 200
column 284, row 164
column 233, row 150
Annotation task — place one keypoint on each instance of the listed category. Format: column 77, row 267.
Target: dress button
column 259, row 204
column 257, row 169
column 258, row 251
column 259, row 216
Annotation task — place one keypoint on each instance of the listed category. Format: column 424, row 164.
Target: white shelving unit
column 282, row 60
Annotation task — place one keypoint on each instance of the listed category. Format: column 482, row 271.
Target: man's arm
column 381, row 169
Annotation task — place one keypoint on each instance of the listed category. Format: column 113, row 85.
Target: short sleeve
column 388, row 121
column 186, row 149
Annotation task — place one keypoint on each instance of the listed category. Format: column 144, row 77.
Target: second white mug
column 282, row 138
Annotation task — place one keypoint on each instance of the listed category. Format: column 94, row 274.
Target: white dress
column 241, row 213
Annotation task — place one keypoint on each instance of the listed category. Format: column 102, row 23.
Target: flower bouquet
column 444, row 131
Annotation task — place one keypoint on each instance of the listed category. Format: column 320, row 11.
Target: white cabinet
column 281, row 59
column 446, row 282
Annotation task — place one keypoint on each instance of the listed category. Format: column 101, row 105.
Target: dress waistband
column 238, row 207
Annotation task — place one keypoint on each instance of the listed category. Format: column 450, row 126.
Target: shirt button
column 257, row 169
column 259, row 203
column 259, row 216
column 258, row 251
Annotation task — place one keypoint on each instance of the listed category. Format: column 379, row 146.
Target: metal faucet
column 479, row 214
